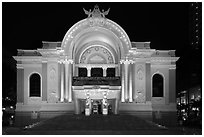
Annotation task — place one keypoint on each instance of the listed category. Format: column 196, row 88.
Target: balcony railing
column 80, row 81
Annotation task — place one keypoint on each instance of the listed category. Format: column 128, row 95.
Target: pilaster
column 172, row 85
column 44, row 81
column 70, row 63
column 148, row 82
column 20, row 85
column 62, row 81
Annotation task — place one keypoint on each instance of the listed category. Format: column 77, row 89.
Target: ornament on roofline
column 96, row 12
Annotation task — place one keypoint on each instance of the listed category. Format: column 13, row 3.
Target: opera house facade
column 96, row 69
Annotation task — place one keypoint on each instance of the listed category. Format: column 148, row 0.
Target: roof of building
column 51, row 45
column 140, row 45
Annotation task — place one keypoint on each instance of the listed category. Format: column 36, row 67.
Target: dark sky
column 26, row 25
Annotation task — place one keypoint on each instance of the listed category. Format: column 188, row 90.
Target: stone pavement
column 95, row 125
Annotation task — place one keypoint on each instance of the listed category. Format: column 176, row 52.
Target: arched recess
column 96, row 54
column 35, row 85
column 95, row 29
column 157, row 85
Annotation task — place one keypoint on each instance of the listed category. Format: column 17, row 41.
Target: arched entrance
column 96, row 45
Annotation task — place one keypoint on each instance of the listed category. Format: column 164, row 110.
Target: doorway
column 96, row 107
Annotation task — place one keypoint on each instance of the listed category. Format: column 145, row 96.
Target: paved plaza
column 69, row 124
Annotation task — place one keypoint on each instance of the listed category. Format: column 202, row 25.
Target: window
column 35, row 85
column 82, row 72
column 158, row 84
column 110, row 72
column 96, row 72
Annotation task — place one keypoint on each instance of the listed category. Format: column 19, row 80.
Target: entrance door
column 96, row 107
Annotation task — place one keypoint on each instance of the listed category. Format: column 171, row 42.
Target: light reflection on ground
column 97, row 124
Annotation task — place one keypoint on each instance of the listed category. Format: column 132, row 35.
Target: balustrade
column 112, row 81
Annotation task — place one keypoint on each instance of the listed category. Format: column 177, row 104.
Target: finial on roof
column 96, row 12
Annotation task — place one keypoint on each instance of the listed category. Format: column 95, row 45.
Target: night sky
column 165, row 25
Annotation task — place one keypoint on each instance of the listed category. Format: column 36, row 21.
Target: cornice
column 28, row 58
column 164, row 59
column 50, row 52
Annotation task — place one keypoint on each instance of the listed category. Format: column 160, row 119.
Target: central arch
column 96, row 29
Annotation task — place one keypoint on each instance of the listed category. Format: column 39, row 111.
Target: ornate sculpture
column 140, row 74
column 52, row 74
column 96, row 12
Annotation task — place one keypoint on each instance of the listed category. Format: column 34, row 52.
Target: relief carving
column 101, row 52
column 52, row 74
column 140, row 91
column 53, row 98
column 52, row 84
column 140, row 73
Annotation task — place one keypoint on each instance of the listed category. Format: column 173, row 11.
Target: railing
column 80, row 81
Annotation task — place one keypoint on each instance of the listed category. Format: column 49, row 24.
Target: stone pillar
column 76, row 71
column 126, row 63
column 122, row 83
column 66, row 79
column 89, row 71
column 70, row 80
column 62, row 82
column 77, row 107
column 130, row 82
column 104, row 71
column 20, row 84
column 116, row 106
column 134, row 83
column 117, row 71
column 148, row 82
column 44, row 81
column 172, row 85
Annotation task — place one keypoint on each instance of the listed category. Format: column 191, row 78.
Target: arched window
column 158, row 85
column 35, row 85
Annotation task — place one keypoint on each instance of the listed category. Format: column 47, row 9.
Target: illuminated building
column 96, row 63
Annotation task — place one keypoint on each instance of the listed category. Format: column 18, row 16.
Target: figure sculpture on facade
column 96, row 12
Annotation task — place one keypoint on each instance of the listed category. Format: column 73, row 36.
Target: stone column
column 130, row 82
column 20, row 84
column 148, row 82
column 77, row 108
column 104, row 71
column 76, row 71
column 66, row 79
column 126, row 63
column 44, row 81
column 172, row 84
column 70, row 81
column 117, row 71
column 62, row 82
column 89, row 71
column 116, row 106
column 122, row 83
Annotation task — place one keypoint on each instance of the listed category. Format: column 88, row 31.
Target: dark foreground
column 68, row 124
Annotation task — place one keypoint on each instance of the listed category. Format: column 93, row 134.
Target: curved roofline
column 101, row 22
